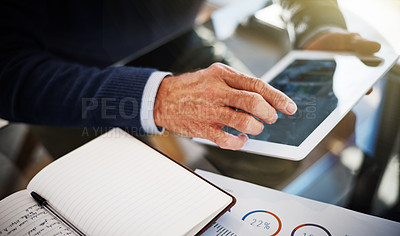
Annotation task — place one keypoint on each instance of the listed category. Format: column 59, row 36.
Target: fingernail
column 244, row 136
column 260, row 129
column 291, row 108
column 275, row 119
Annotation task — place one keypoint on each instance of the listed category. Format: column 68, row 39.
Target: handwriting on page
column 25, row 217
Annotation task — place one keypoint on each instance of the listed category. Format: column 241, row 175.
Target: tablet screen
column 325, row 86
column 309, row 84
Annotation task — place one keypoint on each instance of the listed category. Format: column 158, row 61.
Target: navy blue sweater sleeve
column 38, row 87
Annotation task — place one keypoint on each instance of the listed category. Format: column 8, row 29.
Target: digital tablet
column 325, row 86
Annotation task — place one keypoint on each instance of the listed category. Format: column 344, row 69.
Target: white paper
column 21, row 215
column 263, row 211
column 117, row 185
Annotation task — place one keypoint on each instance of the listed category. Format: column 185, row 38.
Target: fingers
column 365, row 46
column 252, row 103
column 354, row 42
column 343, row 41
column 271, row 95
column 211, row 94
column 240, row 121
column 227, row 141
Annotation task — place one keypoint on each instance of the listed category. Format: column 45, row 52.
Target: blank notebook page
column 117, row 185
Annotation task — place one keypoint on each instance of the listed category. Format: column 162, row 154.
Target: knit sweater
column 55, row 55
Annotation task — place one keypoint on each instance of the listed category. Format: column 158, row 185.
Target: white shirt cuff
column 148, row 100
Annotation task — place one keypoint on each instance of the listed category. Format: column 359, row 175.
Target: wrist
column 159, row 112
column 311, row 36
column 148, row 102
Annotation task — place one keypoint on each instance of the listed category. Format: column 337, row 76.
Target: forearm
column 40, row 89
column 307, row 19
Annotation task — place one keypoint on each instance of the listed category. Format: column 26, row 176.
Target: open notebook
column 115, row 185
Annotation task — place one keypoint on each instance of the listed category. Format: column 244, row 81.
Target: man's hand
column 343, row 41
column 199, row 104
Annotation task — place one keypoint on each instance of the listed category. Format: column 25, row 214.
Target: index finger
column 365, row 46
column 272, row 95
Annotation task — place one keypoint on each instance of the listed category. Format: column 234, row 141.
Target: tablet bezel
column 291, row 152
